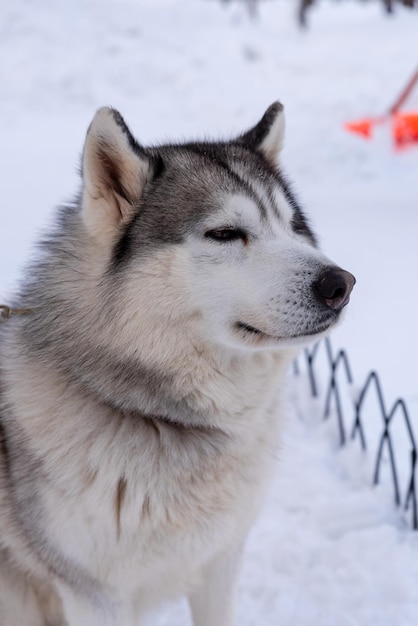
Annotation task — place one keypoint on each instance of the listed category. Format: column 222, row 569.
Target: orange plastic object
column 404, row 125
column 365, row 126
column 405, row 129
column 362, row 127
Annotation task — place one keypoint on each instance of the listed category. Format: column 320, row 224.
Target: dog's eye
column 227, row 234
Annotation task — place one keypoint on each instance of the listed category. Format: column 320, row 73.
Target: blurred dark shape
column 305, row 5
column 252, row 6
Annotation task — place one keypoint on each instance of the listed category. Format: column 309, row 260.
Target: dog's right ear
column 115, row 171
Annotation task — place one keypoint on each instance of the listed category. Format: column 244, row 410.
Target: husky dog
column 139, row 394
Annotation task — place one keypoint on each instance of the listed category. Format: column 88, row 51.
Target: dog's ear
column 115, row 170
column 267, row 136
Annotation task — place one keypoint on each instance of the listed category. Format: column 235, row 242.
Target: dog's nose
column 334, row 286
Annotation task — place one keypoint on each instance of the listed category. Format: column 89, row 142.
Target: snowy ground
column 327, row 549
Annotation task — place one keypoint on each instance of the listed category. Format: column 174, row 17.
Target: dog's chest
column 166, row 508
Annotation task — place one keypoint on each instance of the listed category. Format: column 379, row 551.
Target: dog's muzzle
column 333, row 287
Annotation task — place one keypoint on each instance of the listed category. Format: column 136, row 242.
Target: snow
column 327, row 549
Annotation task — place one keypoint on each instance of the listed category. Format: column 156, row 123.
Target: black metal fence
column 351, row 406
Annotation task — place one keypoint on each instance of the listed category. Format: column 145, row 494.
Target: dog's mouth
column 248, row 331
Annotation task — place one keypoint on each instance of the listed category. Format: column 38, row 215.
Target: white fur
column 104, row 208
column 272, row 143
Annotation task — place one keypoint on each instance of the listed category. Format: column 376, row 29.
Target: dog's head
column 207, row 237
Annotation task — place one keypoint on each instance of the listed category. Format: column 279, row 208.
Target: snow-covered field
column 328, row 550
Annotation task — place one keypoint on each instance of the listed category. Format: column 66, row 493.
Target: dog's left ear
column 267, row 136
column 115, row 171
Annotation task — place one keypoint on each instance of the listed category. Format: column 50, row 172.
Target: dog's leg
column 18, row 601
column 80, row 611
column 50, row 605
column 213, row 602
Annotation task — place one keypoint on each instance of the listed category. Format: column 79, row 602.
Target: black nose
column 334, row 286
